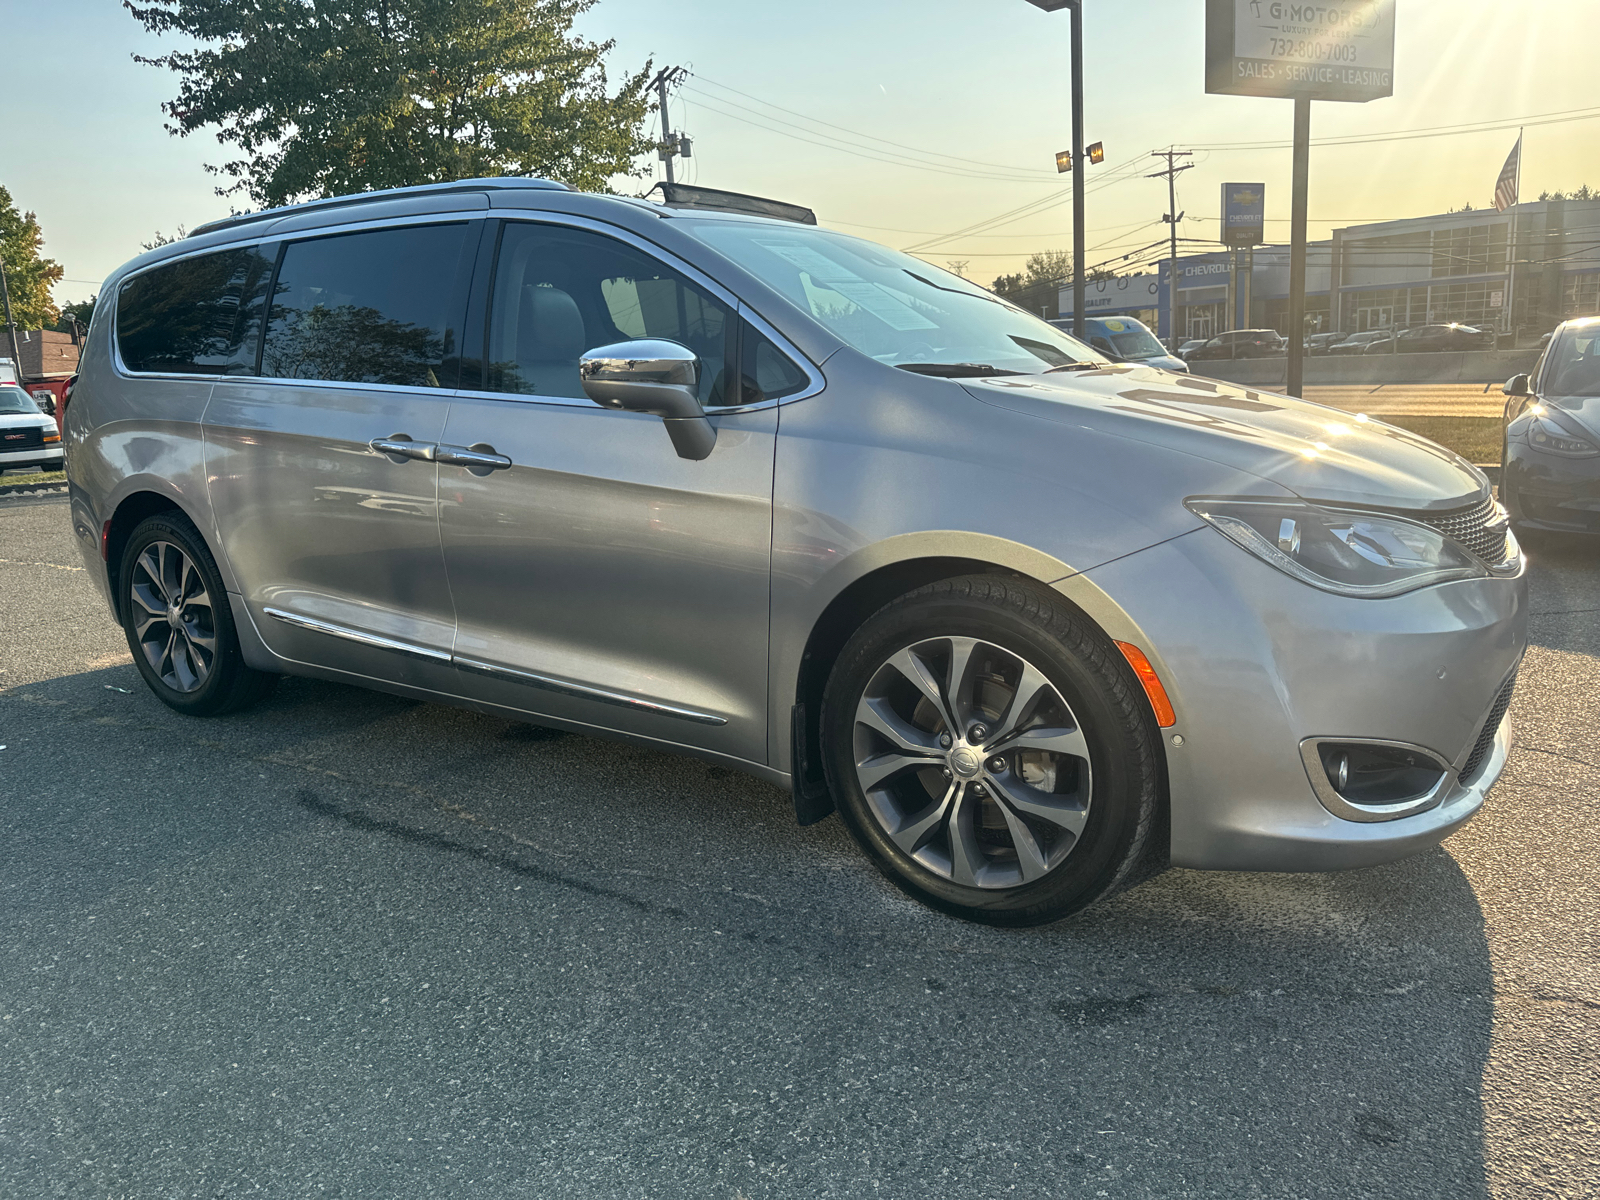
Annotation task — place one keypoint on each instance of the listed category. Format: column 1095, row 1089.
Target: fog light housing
column 1364, row 779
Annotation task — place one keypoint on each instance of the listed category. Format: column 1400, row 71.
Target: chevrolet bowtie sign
column 1297, row 51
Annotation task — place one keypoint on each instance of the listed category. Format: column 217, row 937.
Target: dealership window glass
column 898, row 309
column 192, row 316
column 368, row 307
column 559, row 292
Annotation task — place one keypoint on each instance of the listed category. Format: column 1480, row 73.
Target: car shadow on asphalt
column 1273, row 1035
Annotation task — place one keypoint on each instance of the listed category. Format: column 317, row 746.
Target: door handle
column 479, row 458
column 400, row 446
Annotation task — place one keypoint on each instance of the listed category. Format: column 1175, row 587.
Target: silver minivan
column 1035, row 624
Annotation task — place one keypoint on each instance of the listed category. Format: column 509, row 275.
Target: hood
column 1319, row 453
column 1585, row 410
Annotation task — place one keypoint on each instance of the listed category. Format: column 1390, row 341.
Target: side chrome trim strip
column 356, row 635
column 581, row 692
column 528, row 678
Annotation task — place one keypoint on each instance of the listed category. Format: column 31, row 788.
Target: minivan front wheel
column 178, row 624
column 992, row 753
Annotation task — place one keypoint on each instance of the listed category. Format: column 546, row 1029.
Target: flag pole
column 1511, row 253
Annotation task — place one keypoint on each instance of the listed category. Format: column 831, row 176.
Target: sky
column 954, row 110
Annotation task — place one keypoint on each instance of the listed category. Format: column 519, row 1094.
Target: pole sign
column 1297, row 51
column 1244, row 213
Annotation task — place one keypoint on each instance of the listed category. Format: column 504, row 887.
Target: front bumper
column 1551, row 492
column 1256, row 662
column 51, row 457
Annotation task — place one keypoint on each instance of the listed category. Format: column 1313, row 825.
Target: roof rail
column 423, row 189
column 683, row 195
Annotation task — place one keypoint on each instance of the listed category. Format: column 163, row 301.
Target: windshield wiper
column 965, row 370
column 1074, row 366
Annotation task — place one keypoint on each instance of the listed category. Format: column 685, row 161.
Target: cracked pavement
column 353, row 945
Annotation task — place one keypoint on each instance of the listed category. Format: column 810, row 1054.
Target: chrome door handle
column 479, row 456
column 401, row 446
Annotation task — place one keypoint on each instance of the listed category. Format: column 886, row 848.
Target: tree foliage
column 328, row 97
column 29, row 275
column 1035, row 286
column 1582, row 192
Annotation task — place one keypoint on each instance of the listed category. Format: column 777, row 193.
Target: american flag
column 1505, row 188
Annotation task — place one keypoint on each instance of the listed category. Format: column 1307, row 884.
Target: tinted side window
column 194, row 316
column 369, row 307
column 560, row 292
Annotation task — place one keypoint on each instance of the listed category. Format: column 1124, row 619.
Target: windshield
column 1574, row 366
column 1130, row 338
column 898, row 309
column 15, row 400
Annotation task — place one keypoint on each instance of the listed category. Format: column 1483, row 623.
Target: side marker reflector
column 105, row 540
column 1165, row 717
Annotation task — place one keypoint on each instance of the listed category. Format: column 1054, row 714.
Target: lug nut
column 978, row 733
column 946, row 772
column 979, row 789
column 997, row 764
column 945, row 741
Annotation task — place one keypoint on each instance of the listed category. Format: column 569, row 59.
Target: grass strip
column 1476, row 439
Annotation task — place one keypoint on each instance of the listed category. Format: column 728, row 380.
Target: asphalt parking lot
column 352, row 945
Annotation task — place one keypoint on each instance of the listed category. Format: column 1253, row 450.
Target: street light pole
column 1079, row 290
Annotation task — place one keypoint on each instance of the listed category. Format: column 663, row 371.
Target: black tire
column 1123, row 838
column 189, row 679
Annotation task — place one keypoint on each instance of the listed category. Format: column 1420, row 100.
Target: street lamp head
column 1053, row 5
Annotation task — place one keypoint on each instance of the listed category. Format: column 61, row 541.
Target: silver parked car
column 1035, row 624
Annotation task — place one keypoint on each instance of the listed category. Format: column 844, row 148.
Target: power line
column 859, row 152
column 1032, row 208
column 1402, row 135
column 858, row 134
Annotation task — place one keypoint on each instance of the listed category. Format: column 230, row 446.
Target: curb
column 32, row 489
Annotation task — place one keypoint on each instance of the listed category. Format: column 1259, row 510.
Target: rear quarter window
column 196, row 316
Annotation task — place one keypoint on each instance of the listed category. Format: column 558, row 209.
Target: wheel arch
column 137, row 506
column 852, row 604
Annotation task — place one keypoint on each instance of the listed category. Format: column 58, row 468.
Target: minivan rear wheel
column 992, row 753
column 179, row 628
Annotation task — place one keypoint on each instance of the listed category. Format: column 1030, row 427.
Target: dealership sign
column 1297, row 51
column 1244, row 213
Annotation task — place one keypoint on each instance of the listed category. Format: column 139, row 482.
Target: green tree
column 1042, row 276
column 1582, row 192
column 81, row 311
column 327, row 97
column 28, row 275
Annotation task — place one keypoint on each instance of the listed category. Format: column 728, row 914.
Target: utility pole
column 1295, row 381
column 958, row 266
column 1079, row 162
column 1173, row 169
column 671, row 146
column 16, row 353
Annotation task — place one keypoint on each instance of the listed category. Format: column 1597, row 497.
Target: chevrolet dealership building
column 1521, row 271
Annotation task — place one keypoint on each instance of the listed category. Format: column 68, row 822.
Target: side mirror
column 652, row 376
column 1518, row 385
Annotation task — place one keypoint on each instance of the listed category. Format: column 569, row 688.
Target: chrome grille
column 1490, row 727
column 1480, row 528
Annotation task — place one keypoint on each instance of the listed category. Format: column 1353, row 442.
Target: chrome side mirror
column 652, row 376
column 1518, row 385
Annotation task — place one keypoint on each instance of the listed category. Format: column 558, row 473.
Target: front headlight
column 1348, row 552
column 1544, row 434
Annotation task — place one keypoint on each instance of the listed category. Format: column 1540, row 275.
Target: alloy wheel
column 174, row 620
column 972, row 762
